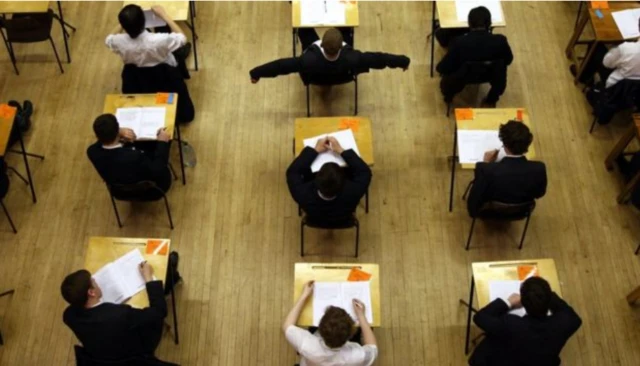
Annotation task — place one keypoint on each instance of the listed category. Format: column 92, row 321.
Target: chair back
column 29, row 27
column 145, row 190
column 84, row 359
column 330, row 223
column 506, row 211
column 478, row 72
column 328, row 77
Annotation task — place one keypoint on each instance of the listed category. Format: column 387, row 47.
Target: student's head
column 479, row 18
column 336, row 327
column 78, row 287
column 535, row 295
column 516, row 137
column 332, row 42
column 106, row 128
column 330, row 180
column 132, row 20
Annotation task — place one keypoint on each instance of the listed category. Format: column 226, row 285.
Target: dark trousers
column 594, row 65
column 149, row 149
column 629, row 169
column 309, row 35
column 452, row 84
column 172, row 275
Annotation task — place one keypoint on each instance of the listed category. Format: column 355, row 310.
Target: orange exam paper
column 600, row 5
column 159, row 247
column 162, row 98
column 349, row 123
column 464, row 114
column 6, row 111
column 357, row 275
column 526, row 271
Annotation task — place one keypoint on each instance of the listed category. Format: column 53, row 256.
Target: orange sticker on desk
column 157, row 247
column 7, row 111
column 349, row 123
column 519, row 115
column 526, row 270
column 464, row 114
column 162, row 98
column 600, row 5
column 357, row 275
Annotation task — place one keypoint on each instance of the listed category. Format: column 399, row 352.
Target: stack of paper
column 627, row 22
column 346, row 140
column 463, row 7
column 152, row 20
column 314, row 12
column 121, row 279
column 504, row 289
column 472, row 144
column 144, row 121
column 341, row 294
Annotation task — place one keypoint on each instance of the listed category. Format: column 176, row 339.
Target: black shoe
column 487, row 104
column 573, row 70
column 184, row 51
column 27, row 108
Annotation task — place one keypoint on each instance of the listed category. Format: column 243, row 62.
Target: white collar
column 513, row 156
column 119, row 145
column 326, row 198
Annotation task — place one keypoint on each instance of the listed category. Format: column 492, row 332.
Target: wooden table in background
column 633, row 131
column 6, row 124
column 333, row 272
column 314, row 126
column 485, row 272
column 114, row 101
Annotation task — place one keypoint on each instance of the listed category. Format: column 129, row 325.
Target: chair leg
column 166, row 204
column 22, row 178
column 448, row 109
column 473, row 223
column 526, row 225
column 637, row 250
column 302, row 239
column 357, row 238
column 356, row 96
column 593, row 124
column 308, row 106
column 12, row 55
column 115, row 209
column 6, row 212
column 299, row 211
column 464, row 196
column 173, row 172
column 55, row 51
column 366, row 202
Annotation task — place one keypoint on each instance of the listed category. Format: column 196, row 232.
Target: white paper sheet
column 472, row 144
column 314, row 12
column 627, row 22
column 341, row 294
column 346, row 140
column 463, row 7
column 335, row 12
column 152, row 20
column 110, row 285
column 121, row 279
column 145, row 122
column 504, row 289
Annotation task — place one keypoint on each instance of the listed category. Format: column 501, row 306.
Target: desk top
column 114, row 101
column 606, row 29
column 484, row 272
column 333, row 272
column 352, row 17
column 491, row 119
column 177, row 10
column 7, row 117
column 15, row 7
column 103, row 250
column 310, row 127
column 448, row 16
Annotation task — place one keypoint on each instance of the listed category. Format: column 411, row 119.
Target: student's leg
column 347, row 35
column 450, row 85
column 151, row 337
column 172, row 272
column 593, row 65
column 498, row 87
column 307, row 37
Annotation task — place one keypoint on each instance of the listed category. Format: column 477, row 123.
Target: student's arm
column 294, row 314
column 449, row 63
column 368, row 338
column 160, row 12
column 543, row 183
column 507, row 54
column 480, row 184
column 612, row 58
column 275, row 68
column 562, row 312
column 491, row 318
column 157, row 309
column 360, row 171
column 380, row 60
column 301, row 165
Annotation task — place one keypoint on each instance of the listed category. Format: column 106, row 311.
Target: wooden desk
column 16, row 7
column 6, row 124
column 633, row 131
column 310, row 127
column 177, row 10
column 352, row 16
column 485, row 272
column 333, row 272
column 114, row 101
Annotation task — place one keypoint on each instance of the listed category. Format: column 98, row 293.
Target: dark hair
column 516, row 137
column 335, row 327
column 330, row 180
column 132, row 20
column 106, row 128
column 75, row 286
column 535, row 295
column 332, row 42
column 479, row 17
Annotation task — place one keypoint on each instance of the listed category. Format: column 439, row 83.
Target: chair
column 339, row 223
column 144, row 191
column 472, row 73
column 83, row 359
column 28, row 28
column 607, row 102
column 327, row 79
column 4, row 188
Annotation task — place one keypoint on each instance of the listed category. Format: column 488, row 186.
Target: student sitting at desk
column 476, row 46
column 533, row 340
column 332, row 343
column 506, row 175
column 331, row 56
column 334, row 193
column 118, row 162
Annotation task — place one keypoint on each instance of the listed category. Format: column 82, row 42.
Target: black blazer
column 305, row 192
column 477, row 45
column 4, row 179
column 523, row 341
column 126, row 165
column 512, row 180
column 312, row 62
column 116, row 331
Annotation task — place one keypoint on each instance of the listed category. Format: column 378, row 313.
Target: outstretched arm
column 275, row 68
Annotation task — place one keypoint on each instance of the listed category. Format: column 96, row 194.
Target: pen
column 325, row 6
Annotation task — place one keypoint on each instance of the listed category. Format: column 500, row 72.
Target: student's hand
column 159, row 10
column 358, row 308
column 307, row 290
column 254, row 81
column 405, row 68
column 163, row 135
column 335, row 145
column 146, row 271
column 515, row 302
column 490, row 156
column 127, row 134
column 322, row 145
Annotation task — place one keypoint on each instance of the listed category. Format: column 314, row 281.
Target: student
column 506, row 175
column 330, row 57
column 330, row 344
column 477, row 45
column 333, row 193
column 533, row 340
column 118, row 162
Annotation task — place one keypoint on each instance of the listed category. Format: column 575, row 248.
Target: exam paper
column 463, row 7
column 144, row 121
column 472, row 144
column 314, row 12
column 627, row 22
column 346, row 140
column 341, row 294
column 504, row 289
column 152, row 20
column 121, row 279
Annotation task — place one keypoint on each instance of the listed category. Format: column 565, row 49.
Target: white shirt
column 148, row 49
column 313, row 351
column 625, row 59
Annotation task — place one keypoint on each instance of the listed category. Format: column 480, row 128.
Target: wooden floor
column 237, row 228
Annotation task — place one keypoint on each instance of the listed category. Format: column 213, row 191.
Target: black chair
column 83, row 359
column 607, row 102
column 28, row 28
column 495, row 210
column 327, row 79
column 339, row 223
column 4, row 188
column 472, row 73
column 144, row 191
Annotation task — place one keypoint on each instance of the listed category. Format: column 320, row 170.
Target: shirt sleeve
column 370, row 354
column 612, row 57
column 173, row 41
column 110, row 41
column 297, row 336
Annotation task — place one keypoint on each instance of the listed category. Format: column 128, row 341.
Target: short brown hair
column 106, row 128
column 516, row 137
column 75, row 287
column 331, row 42
column 335, row 327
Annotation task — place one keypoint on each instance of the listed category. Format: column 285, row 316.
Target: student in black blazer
column 119, row 162
column 334, row 193
column 113, row 331
column 533, row 340
column 477, row 45
column 506, row 175
column 331, row 57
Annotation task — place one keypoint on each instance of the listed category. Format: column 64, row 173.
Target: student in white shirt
column 330, row 345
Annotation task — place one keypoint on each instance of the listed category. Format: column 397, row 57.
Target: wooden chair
column 144, row 191
column 335, row 223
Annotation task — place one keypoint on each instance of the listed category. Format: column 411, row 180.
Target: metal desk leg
column 65, row 34
column 470, row 309
column 194, row 35
column 184, row 178
column 454, row 159
column 176, row 339
column 24, row 154
column 433, row 32
column 293, row 37
column 1, row 295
